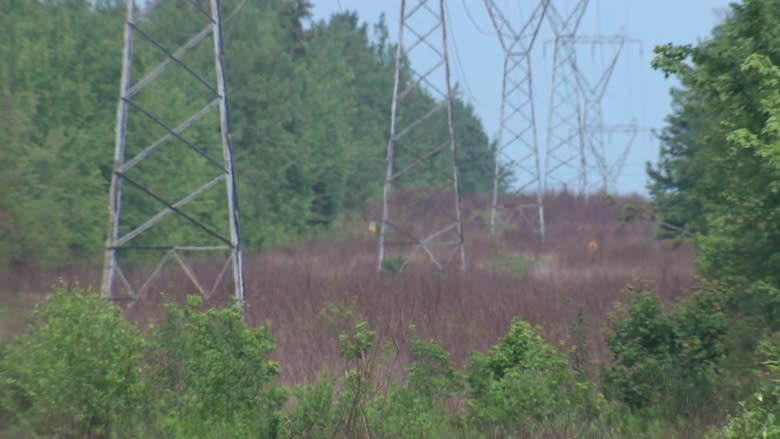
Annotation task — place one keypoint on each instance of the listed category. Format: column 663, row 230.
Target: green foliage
column 759, row 417
column 522, row 384
column 76, row 373
column 83, row 371
column 313, row 415
column 356, row 345
column 640, row 343
column 54, row 128
column 211, row 375
column 719, row 179
column 669, row 359
column 317, row 118
column 718, row 176
column 393, row 264
column 431, row 372
column 417, row 407
column 358, row 387
column 362, row 409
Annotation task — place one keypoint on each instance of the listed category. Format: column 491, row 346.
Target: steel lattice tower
column 123, row 236
column 517, row 130
column 591, row 124
column 592, row 128
column 416, row 146
column 609, row 168
column 565, row 156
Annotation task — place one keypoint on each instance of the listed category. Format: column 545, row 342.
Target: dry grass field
column 309, row 293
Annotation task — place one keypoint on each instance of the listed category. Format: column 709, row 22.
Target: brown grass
column 307, row 292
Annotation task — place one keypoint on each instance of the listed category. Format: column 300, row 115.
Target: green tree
column 718, row 175
column 59, row 69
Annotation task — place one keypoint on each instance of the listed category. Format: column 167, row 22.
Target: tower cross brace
column 421, row 27
column 592, row 128
column 117, row 242
column 564, row 155
column 517, row 146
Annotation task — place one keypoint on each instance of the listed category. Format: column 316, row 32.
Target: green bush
column 670, row 361
column 431, row 372
column 640, row 342
column 76, row 373
column 83, row 371
column 211, row 374
column 760, row 300
column 523, row 384
column 313, row 415
column 759, row 416
column 417, row 408
column 365, row 407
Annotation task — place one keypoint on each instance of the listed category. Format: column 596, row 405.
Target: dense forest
column 310, row 103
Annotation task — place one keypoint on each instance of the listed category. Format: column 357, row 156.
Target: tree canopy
column 718, row 175
column 310, row 104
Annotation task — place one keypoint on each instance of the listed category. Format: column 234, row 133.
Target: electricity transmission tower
column 421, row 206
column 517, row 144
column 591, row 124
column 592, row 130
column 565, row 156
column 610, row 167
column 136, row 234
column 576, row 129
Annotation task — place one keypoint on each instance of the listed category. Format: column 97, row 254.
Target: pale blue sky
column 636, row 91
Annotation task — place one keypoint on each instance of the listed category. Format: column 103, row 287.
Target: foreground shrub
column 342, row 408
column 360, row 405
column 418, row 407
column 314, row 413
column 668, row 361
column 76, row 373
column 640, row 342
column 211, row 375
column 759, row 416
column 523, row 385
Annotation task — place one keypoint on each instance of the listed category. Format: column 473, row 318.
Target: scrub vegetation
column 636, row 318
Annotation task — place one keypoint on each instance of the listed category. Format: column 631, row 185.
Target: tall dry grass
column 310, row 293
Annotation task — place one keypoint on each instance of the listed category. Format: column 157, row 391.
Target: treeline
column 309, row 101
column 718, row 185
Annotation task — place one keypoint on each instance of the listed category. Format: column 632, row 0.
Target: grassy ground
column 311, row 292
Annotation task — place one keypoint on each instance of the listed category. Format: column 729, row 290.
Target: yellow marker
column 372, row 227
column 593, row 245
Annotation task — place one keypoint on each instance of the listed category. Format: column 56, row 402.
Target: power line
column 473, row 22
column 451, row 36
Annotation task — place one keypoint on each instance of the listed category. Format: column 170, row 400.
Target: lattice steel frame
column 435, row 39
column 564, row 151
column 610, row 170
column 591, row 125
column 116, row 243
column 517, row 131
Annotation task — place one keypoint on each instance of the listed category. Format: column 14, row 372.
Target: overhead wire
column 461, row 70
column 474, row 22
